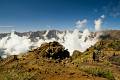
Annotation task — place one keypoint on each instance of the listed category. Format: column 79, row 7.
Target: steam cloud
column 81, row 24
column 75, row 40
column 98, row 23
column 14, row 45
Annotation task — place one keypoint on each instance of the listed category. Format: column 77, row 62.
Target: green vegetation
column 115, row 45
column 76, row 54
column 97, row 71
column 115, row 59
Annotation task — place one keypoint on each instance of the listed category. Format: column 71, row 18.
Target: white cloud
column 103, row 16
column 80, row 24
column 6, row 26
column 98, row 23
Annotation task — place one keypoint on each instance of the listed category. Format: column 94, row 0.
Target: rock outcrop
column 52, row 50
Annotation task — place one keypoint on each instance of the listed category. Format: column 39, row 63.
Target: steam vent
column 53, row 50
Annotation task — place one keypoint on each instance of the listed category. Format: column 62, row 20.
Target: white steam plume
column 98, row 23
column 77, row 40
column 14, row 45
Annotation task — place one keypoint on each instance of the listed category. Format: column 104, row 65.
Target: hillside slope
column 35, row 66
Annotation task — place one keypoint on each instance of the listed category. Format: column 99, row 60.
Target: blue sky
column 26, row 15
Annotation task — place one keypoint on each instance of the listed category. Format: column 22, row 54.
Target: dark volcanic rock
column 52, row 50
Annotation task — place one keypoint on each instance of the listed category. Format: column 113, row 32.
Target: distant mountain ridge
column 111, row 35
column 108, row 34
column 35, row 34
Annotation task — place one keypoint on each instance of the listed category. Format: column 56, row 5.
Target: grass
column 115, row 44
column 97, row 71
column 115, row 59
